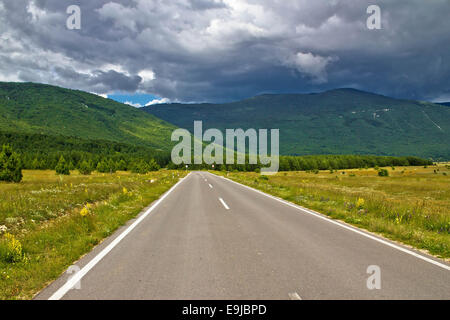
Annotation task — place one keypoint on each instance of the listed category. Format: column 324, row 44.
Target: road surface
column 211, row 238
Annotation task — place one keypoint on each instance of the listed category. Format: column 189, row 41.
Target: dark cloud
column 221, row 50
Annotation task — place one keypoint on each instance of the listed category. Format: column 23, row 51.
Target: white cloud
column 36, row 12
column 146, row 75
column 103, row 95
column 122, row 16
column 158, row 101
column 114, row 67
column 136, row 105
column 313, row 65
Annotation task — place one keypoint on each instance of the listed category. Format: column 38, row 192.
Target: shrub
column 105, row 167
column 85, row 168
column 121, row 165
column 153, row 165
column 10, row 165
column 111, row 166
column 62, row 167
column 141, row 167
column 383, row 173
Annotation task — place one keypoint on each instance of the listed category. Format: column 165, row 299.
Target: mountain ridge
column 337, row 121
column 45, row 109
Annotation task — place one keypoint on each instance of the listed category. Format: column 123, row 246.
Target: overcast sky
column 224, row 50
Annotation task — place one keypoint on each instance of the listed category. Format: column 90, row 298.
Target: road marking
column 294, row 296
column 224, row 204
column 210, row 185
column 80, row 274
column 319, row 215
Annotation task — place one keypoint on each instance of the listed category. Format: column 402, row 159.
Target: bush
column 85, row 168
column 122, row 166
column 10, row 165
column 383, row 173
column 106, row 166
column 153, row 165
column 111, row 166
column 141, row 167
column 62, row 167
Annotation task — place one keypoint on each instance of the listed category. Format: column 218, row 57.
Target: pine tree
column 62, row 167
column 10, row 165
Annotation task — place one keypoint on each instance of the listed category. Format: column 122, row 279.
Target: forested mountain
column 341, row 121
column 31, row 108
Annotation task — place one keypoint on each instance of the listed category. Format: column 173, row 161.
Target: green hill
column 341, row 121
column 30, row 108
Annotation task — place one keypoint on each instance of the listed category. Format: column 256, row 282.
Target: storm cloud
column 223, row 50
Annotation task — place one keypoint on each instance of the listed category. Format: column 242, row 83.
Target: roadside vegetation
column 48, row 221
column 407, row 204
column 317, row 162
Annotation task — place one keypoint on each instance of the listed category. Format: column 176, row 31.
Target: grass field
column 412, row 205
column 48, row 221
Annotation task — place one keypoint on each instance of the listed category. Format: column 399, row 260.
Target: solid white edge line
column 224, row 204
column 319, row 215
column 80, row 274
column 294, row 296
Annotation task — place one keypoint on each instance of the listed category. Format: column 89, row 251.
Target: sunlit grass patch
column 51, row 221
column 411, row 205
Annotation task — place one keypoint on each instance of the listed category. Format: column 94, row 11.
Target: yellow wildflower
column 84, row 212
column 13, row 249
column 360, row 203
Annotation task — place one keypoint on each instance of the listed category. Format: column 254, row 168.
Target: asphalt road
column 211, row 238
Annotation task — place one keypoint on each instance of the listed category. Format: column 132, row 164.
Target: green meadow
column 48, row 221
column 411, row 205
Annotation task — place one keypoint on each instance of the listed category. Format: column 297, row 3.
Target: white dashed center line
column 224, row 204
column 294, row 296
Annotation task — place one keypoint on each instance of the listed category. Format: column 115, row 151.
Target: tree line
column 37, row 151
column 317, row 162
column 63, row 154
